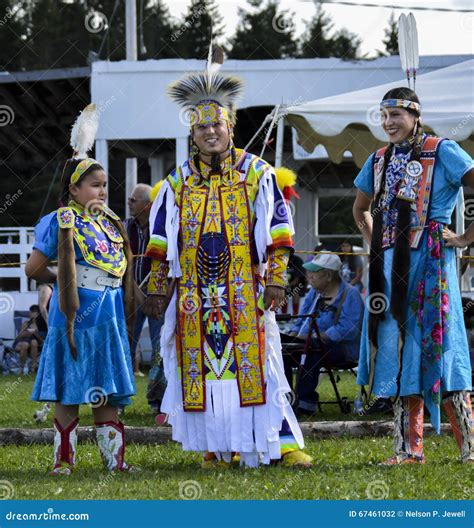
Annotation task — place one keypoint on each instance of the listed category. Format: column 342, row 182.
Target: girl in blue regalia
column 86, row 356
column 414, row 345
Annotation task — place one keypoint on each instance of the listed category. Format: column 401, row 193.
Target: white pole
column 279, row 143
column 181, row 150
column 131, row 29
column 131, row 55
column 130, row 180
column 102, row 156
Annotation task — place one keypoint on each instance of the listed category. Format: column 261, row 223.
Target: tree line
column 39, row 34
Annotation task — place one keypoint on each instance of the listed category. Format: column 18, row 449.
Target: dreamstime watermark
column 195, row 15
column 466, row 21
column 7, row 491
column 373, row 116
column 282, row 398
column 7, row 304
column 97, row 397
column 7, row 115
column 468, row 306
column 377, row 490
column 377, row 303
column 382, row 394
column 10, row 200
column 103, row 483
column 284, row 109
column 8, row 14
column 91, row 307
column 462, row 124
column 291, row 482
column 469, row 209
column 95, row 22
column 190, row 490
column 282, row 22
column 292, row 293
column 10, row 387
column 283, row 210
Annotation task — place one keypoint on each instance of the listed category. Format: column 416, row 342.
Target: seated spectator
column 340, row 309
column 352, row 266
column 30, row 339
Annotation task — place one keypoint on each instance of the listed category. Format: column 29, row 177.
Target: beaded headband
column 400, row 103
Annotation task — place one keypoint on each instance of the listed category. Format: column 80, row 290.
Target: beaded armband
column 277, row 267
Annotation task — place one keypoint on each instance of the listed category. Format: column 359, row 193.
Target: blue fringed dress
column 103, row 367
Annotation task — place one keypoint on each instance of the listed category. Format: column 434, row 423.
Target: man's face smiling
column 211, row 139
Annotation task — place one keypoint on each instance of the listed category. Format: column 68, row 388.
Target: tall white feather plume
column 415, row 57
column 408, row 46
column 215, row 59
column 84, row 131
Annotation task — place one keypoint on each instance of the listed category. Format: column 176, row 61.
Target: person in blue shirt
column 414, row 346
column 339, row 321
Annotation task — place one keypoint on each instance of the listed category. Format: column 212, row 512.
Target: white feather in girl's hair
column 408, row 45
column 84, row 131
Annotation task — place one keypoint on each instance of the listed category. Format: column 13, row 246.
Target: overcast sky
column 440, row 33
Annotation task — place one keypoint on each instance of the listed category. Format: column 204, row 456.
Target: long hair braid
column 376, row 276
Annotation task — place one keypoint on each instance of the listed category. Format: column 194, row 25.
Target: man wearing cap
column 339, row 321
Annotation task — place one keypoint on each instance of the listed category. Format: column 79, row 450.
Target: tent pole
column 279, row 142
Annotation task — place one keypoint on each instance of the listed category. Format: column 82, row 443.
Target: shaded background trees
column 43, row 34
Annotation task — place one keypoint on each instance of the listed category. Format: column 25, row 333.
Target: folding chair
column 292, row 346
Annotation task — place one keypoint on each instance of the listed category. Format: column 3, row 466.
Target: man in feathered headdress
column 220, row 227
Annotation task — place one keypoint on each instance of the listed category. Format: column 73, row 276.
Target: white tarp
column 351, row 121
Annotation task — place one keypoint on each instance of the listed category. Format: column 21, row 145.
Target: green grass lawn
column 16, row 408
column 344, row 469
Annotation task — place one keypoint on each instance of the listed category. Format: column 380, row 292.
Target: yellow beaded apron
column 220, row 330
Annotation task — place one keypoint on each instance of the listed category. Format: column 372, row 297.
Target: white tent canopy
column 351, row 121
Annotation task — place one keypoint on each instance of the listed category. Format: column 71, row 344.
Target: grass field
column 17, row 409
column 344, row 468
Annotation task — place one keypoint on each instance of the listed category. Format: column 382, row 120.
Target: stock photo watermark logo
column 190, row 490
column 7, row 491
column 377, row 490
column 466, row 22
column 103, row 483
column 94, row 207
column 284, row 209
column 196, row 14
column 7, row 304
column 377, row 303
column 373, row 116
column 469, row 209
column 7, row 115
column 282, row 23
column 11, row 387
column 95, row 22
column 97, row 397
column 9, row 13
column 282, row 398
column 465, row 121
column 9, row 201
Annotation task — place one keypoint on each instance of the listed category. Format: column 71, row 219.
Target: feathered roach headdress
column 208, row 94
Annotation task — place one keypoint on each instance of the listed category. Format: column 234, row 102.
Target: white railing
column 16, row 241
